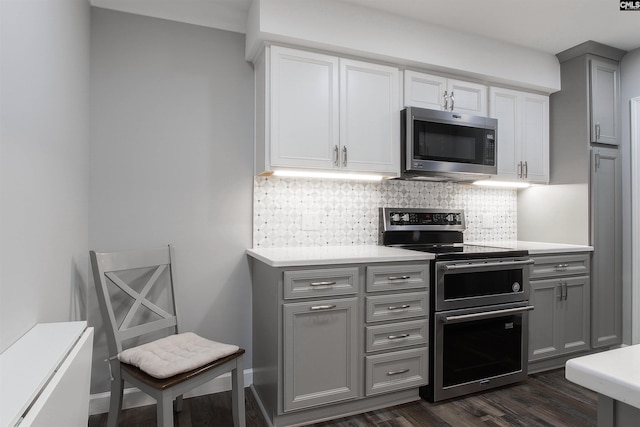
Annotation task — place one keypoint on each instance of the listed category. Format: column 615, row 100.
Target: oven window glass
column 481, row 349
column 450, row 143
column 481, row 283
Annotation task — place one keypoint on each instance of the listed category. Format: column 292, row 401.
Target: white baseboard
column 133, row 398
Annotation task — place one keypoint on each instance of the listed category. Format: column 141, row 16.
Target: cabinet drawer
column 397, row 335
column 320, row 283
column 396, row 371
column 562, row 265
column 397, row 306
column 397, row 277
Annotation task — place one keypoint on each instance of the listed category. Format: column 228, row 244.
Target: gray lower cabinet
column 560, row 292
column 320, row 352
column 338, row 339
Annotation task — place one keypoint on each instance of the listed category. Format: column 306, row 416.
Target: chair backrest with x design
column 136, row 294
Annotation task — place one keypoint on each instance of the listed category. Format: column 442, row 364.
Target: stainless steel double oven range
column 479, row 302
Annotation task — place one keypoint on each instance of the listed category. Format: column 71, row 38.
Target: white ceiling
column 547, row 25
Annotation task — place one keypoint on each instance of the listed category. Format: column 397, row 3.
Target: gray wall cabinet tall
column 583, row 204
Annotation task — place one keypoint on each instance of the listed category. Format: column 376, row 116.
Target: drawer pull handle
column 399, row 277
column 561, row 267
column 397, row 337
column 322, row 283
column 398, row 307
column 323, row 307
column 398, row 372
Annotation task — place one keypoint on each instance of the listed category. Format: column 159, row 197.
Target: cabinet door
column 534, row 137
column 575, row 314
column 544, row 324
column 303, row 108
column 424, row 90
column 523, row 134
column 369, row 117
column 606, row 239
column 321, row 352
column 604, row 100
column 467, row 97
column 504, row 107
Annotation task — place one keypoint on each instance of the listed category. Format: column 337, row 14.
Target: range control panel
column 421, row 219
column 425, row 218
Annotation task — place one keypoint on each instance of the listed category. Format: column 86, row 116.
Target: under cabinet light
column 502, row 184
column 327, row 175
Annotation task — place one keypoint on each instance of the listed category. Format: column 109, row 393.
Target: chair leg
column 115, row 401
column 165, row 410
column 237, row 394
column 178, row 404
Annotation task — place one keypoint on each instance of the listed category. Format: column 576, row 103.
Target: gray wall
column 44, row 84
column 171, row 161
column 630, row 88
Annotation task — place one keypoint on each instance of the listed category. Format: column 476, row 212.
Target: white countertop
column 535, row 248
column 613, row 373
column 323, row 255
column 291, row 256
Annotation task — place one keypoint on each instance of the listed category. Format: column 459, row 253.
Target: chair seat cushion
column 175, row 354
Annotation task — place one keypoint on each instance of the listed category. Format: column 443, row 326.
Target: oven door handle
column 450, row 267
column 484, row 315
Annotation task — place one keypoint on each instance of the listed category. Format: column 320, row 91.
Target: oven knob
column 515, row 287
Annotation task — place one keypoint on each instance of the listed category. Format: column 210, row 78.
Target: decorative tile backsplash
column 310, row 212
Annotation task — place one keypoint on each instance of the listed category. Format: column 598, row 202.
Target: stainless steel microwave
column 445, row 145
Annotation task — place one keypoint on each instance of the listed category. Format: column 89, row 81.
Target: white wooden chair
column 136, row 296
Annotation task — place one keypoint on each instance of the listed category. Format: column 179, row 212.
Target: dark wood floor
column 545, row 399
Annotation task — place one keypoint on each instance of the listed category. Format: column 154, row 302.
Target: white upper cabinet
column 369, row 117
column 321, row 112
column 441, row 93
column 523, row 134
column 303, row 109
